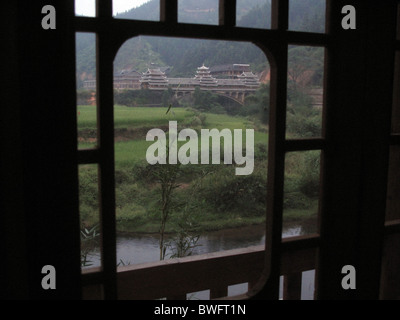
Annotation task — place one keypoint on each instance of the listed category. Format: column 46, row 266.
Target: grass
column 128, row 119
column 86, row 117
column 130, row 152
column 203, row 226
column 125, row 117
column 139, row 117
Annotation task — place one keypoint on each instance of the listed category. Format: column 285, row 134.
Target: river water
column 142, row 248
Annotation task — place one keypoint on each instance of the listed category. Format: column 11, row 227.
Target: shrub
column 132, row 213
column 296, row 200
column 83, row 96
column 224, row 191
column 261, row 152
column 309, row 181
column 88, row 187
column 304, row 126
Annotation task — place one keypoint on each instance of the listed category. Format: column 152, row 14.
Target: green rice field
column 132, row 123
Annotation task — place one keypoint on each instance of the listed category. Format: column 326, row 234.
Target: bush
column 132, row 98
column 303, row 120
column 304, row 126
column 309, row 182
column 302, row 174
column 206, row 101
column 89, row 216
column 132, row 213
column 296, row 200
column 83, row 96
column 224, row 191
column 257, row 105
column 88, row 187
column 261, row 152
column 217, row 109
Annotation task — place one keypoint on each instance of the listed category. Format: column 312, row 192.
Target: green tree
column 167, row 96
column 257, row 104
column 166, row 175
column 204, row 100
column 303, row 60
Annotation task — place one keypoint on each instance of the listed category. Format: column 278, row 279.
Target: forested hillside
column 185, row 55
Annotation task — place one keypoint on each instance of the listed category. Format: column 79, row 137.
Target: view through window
column 167, row 209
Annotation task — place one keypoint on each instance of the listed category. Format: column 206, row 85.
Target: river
column 142, row 248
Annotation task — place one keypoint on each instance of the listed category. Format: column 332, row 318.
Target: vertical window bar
column 276, row 167
column 276, row 153
column 227, row 13
column 396, row 95
column 280, row 14
column 169, row 11
column 328, row 10
column 106, row 172
column 398, row 22
column 104, row 8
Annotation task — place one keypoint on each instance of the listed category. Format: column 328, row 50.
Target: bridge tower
column 203, row 75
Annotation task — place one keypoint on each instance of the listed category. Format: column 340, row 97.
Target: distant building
column 203, row 76
column 229, row 70
column 249, row 79
column 90, row 84
column 154, row 79
column 127, row 79
column 233, row 80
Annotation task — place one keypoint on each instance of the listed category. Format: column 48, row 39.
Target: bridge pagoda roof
column 204, row 77
column 238, row 67
column 128, row 74
column 154, row 77
column 249, row 79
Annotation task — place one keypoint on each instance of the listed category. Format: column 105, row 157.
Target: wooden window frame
column 40, row 214
column 112, row 33
column 336, row 201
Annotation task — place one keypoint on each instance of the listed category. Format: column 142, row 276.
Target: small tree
column 166, row 175
column 89, row 241
column 258, row 104
column 186, row 238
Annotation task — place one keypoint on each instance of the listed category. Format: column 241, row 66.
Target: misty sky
column 87, row 7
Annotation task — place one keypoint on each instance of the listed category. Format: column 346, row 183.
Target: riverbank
column 305, row 217
column 201, row 227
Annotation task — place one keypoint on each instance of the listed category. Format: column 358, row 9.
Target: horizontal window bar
column 305, row 144
column 395, row 139
column 307, row 38
column 96, row 276
column 392, row 227
column 300, row 242
column 92, row 276
column 125, row 27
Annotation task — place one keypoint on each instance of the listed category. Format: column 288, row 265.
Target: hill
column 185, row 55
